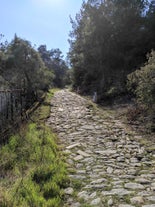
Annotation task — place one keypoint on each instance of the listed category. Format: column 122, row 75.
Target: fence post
column 95, row 97
column 12, row 105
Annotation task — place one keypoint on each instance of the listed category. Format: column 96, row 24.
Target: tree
column 142, row 83
column 150, row 25
column 106, row 37
column 3, row 48
column 53, row 60
column 24, row 68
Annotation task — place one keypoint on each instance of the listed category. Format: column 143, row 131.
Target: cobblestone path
column 108, row 165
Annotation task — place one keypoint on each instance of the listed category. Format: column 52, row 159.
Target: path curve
column 108, row 165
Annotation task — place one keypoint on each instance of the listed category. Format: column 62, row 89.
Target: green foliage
column 109, row 40
column 21, row 66
column 53, row 60
column 142, row 83
column 33, row 170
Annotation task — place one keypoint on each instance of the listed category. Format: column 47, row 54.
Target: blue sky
column 39, row 21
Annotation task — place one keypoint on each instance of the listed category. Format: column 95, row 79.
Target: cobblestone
column 111, row 167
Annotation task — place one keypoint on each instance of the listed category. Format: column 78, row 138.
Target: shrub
column 142, row 83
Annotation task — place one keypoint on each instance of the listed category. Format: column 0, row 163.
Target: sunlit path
column 108, row 165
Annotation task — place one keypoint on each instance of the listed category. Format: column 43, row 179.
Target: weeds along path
column 108, row 165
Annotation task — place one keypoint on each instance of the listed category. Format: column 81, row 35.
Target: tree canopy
column 22, row 66
column 53, row 59
column 109, row 40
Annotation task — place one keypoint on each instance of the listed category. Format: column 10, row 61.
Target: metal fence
column 12, row 105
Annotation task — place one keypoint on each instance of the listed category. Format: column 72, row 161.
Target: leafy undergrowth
column 32, row 169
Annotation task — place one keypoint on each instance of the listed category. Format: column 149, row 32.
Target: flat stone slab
column 84, row 195
column 95, row 202
column 134, row 186
column 69, row 191
column 73, row 146
column 79, row 157
column 139, row 200
column 98, row 181
column 110, row 170
column 142, row 181
column 119, row 192
column 151, row 198
column 106, row 152
column 60, row 109
column 84, row 154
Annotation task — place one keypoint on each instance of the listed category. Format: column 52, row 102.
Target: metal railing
column 12, row 106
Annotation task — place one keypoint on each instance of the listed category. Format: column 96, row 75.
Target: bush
column 142, row 83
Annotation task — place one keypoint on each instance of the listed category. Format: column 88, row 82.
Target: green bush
column 142, row 83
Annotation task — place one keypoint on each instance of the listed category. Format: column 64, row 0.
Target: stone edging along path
column 108, row 165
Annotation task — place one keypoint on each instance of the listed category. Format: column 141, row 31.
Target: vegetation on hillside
column 32, row 168
column 109, row 40
column 53, row 60
column 142, row 83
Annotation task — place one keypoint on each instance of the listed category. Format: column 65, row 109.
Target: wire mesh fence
column 12, row 105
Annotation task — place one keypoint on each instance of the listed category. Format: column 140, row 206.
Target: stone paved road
column 108, row 165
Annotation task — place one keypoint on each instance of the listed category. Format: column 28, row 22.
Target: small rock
column 147, row 176
column 114, row 139
column 80, row 152
column 77, row 204
column 133, row 160
column 120, row 159
column 95, row 201
column 73, row 145
column 125, row 205
column 83, row 195
column 98, row 181
column 67, row 151
column 79, row 157
column 93, row 195
column 77, row 177
column 117, row 183
column 88, row 127
column 81, row 172
column 79, row 165
column 69, row 161
column 142, row 181
column 106, row 152
column 127, row 177
column 60, row 109
column 151, row 198
column 69, row 191
column 117, row 191
column 153, row 184
column 110, row 202
column 109, row 170
column 137, row 200
column 143, row 193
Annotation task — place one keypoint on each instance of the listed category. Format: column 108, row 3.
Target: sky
column 39, row 21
